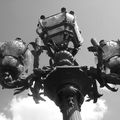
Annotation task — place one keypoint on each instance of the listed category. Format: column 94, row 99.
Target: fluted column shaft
column 70, row 108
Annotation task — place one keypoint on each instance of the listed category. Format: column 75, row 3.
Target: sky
column 97, row 19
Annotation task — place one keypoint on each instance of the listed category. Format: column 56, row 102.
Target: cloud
column 91, row 111
column 3, row 117
column 26, row 109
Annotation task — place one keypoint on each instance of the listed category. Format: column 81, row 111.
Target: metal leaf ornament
column 107, row 53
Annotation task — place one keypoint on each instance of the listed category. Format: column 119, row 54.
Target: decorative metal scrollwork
column 107, row 53
column 61, row 39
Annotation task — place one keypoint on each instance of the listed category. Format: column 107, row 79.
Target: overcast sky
column 98, row 19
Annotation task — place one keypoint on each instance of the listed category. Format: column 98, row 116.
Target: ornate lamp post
column 66, row 84
column 63, row 81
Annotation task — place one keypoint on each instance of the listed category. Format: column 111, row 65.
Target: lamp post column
column 67, row 86
column 68, row 103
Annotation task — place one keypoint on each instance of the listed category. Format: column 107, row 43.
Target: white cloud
column 26, row 109
column 3, row 117
column 91, row 111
